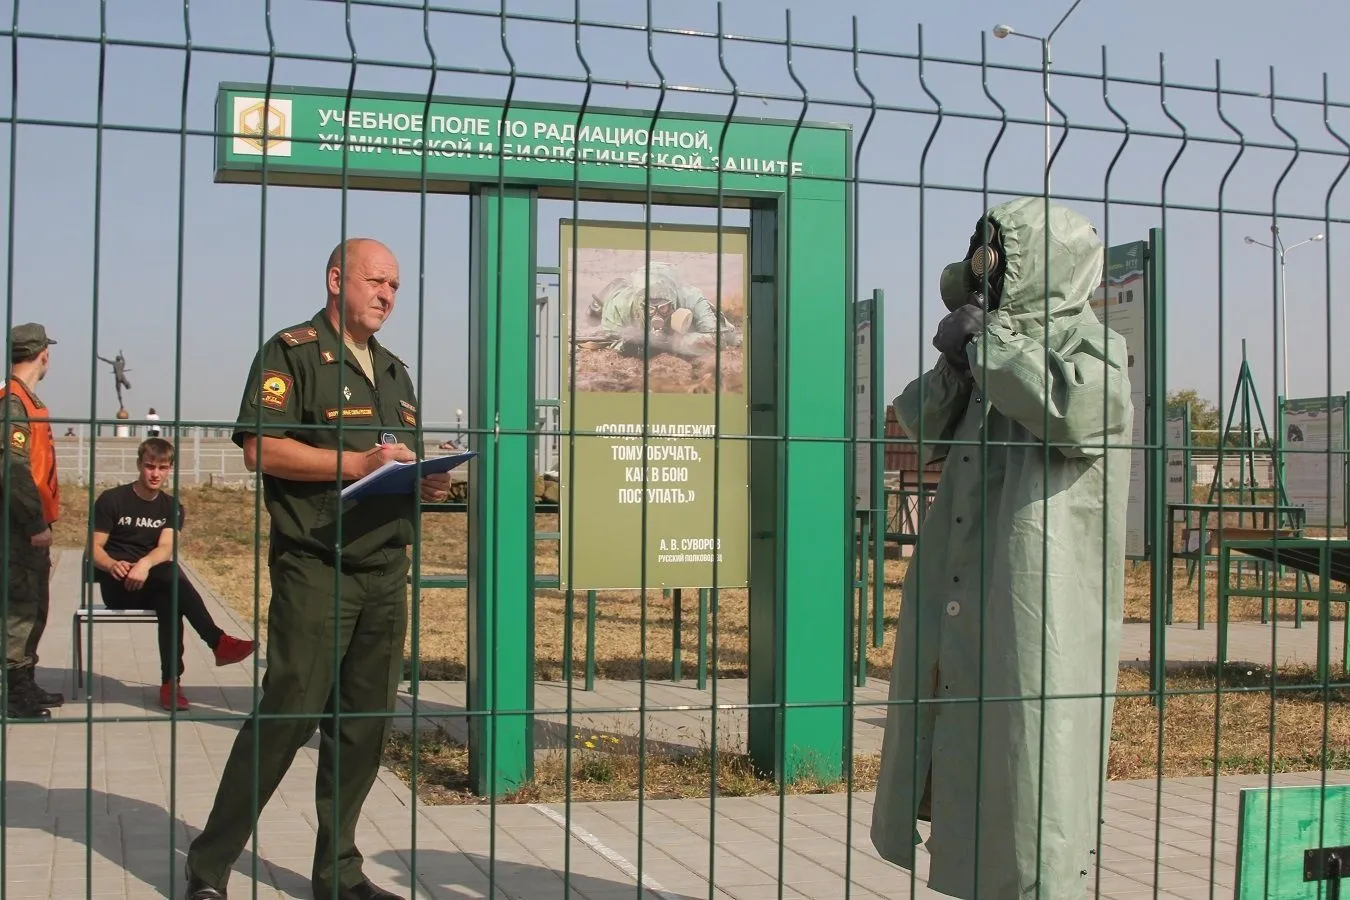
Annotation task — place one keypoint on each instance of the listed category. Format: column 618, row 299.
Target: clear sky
column 216, row 265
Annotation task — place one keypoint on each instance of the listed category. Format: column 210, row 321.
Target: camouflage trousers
column 29, row 587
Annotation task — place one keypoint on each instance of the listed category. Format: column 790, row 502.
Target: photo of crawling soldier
column 660, row 312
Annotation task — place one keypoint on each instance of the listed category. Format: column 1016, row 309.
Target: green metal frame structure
column 1244, row 501
column 801, row 258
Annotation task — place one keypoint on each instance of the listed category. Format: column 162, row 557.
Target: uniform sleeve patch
column 18, row 438
column 275, row 391
column 297, row 336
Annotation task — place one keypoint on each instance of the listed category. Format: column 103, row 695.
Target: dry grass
column 219, row 542
column 605, row 767
column 1252, row 734
column 1264, row 722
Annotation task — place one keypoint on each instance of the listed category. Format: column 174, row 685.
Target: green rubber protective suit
column 1009, row 630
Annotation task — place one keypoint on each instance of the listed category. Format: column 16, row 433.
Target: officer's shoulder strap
column 296, row 335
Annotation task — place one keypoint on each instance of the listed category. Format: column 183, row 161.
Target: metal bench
column 1324, row 558
column 90, row 612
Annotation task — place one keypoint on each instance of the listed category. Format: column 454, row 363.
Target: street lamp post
column 1003, row 31
column 1279, row 248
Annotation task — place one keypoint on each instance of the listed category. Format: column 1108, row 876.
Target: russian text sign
column 654, row 391
column 312, row 136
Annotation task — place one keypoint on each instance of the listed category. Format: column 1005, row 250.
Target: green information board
column 1313, row 442
column 661, row 438
column 377, row 140
column 1276, row 828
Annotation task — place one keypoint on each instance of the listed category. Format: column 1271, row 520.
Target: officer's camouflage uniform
column 294, row 388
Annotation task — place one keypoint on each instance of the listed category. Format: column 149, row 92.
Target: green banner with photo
column 654, row 472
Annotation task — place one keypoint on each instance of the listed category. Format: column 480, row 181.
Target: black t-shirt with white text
column 133, row 525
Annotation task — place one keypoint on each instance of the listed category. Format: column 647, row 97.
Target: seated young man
column 133, row 553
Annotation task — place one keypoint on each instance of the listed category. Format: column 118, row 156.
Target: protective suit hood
column 660, row 282
column 1075, row 261
column 1074, row 267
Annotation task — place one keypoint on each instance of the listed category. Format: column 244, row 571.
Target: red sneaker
column 232, row 650
column 166, row 697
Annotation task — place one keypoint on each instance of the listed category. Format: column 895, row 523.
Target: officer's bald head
column 352, row 248
column 362, row 279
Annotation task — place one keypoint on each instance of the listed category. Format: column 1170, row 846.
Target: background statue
column 120, row 370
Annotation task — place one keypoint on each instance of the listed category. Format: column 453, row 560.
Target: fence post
column 676, row 611
column 1160, row 570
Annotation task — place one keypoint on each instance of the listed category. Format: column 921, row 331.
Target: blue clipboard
column 403, row 477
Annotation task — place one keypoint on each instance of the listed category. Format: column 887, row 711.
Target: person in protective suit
column 679, row 318
column 1015, row 596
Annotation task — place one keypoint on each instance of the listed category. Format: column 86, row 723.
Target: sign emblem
column 347, row 391
column 256, row 118
column 276, row 389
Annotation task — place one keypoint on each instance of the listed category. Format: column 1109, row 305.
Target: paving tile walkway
column 103, row 807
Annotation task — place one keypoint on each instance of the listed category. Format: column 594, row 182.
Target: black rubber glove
column 953, row 333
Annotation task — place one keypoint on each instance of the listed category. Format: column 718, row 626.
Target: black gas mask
column 659, row 311
column 977, row 279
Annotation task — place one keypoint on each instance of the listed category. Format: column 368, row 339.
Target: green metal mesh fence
column 888, row 473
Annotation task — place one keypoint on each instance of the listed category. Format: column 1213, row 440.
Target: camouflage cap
column 27, row 339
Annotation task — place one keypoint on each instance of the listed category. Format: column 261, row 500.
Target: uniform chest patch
column 275, row 390
column 349, row 412
column 409, row 419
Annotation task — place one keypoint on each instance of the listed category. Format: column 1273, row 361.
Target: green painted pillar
column 501, row 488
column 801, row 518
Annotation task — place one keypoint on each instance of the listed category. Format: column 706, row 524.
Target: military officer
column 34, row 504
column 325, row 404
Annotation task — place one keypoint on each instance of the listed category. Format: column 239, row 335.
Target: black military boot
column 38, row 695
column 20, row 704
column 197, row 889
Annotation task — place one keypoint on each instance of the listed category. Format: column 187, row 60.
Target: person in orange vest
column 34, row 501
